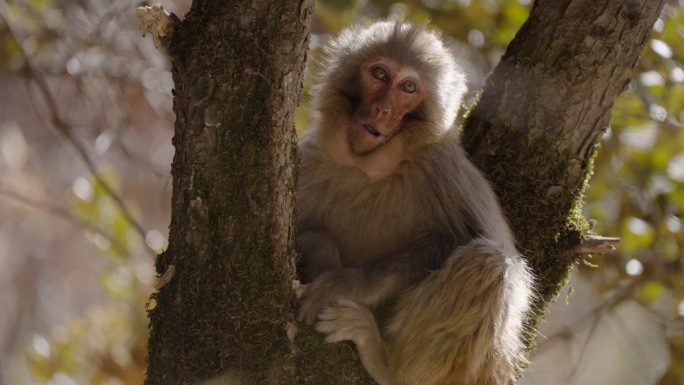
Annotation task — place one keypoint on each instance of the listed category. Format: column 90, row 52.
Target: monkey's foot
column 156, row 21
column 347, row 320
column 322, row 291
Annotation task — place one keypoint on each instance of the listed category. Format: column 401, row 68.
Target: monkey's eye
column 379, row 73
column 408, row 86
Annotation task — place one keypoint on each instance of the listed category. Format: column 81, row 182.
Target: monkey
column 390, row 210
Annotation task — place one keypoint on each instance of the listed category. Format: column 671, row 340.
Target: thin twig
column 596, row 244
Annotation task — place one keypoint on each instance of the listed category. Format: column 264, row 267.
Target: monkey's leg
column 462, row 324
column 347, row 320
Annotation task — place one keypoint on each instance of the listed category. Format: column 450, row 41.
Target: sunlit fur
column 413, row 222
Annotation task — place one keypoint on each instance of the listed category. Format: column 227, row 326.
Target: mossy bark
column 536, row 127
column 237, row 70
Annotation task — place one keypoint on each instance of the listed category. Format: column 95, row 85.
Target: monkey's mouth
column 371, row 130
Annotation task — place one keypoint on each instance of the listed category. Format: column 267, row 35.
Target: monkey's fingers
column 345, row 320
column 316, row 296
column 310, row 307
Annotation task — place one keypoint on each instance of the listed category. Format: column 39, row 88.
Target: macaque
column 391, row 213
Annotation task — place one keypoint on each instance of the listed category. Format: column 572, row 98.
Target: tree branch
column 596, row 244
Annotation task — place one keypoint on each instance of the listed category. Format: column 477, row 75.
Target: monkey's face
column 389, row 91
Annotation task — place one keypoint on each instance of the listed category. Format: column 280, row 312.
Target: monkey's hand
column 349, row 320
column 333, row 285
column 346, row 320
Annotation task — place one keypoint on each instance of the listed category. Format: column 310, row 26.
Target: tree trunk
column 237, row 70
column 539, row 120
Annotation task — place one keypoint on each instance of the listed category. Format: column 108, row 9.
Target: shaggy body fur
column 413, row 222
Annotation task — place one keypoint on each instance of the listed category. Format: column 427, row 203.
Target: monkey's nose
column 382, row 110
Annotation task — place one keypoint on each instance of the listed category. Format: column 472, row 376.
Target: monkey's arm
column 375, row 281
column 320, row 253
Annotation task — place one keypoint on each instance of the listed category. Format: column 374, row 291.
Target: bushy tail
column 462, row 324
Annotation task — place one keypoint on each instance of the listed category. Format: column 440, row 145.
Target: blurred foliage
column 95, row 75
column 103, row 348
column 106, row 347
column 39, row 19
column 636, row 192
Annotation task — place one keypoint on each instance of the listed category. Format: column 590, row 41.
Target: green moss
column 220, row 312
column 227, row 305
column 201, row 12
column 540, row 196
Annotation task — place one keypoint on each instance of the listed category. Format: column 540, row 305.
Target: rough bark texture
column 237, row 69
column 537, row 125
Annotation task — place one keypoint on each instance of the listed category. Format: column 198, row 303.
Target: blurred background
column 85, row 154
